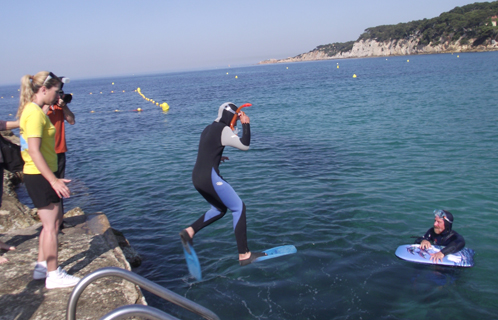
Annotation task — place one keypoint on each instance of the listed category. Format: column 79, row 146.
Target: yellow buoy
column 227, row 72
column 113, row 83
column 92, row 111
column 116, row 110
column 165, row 106
column 407, row 60
column 90, row 93
column 236, row 77
column 354, row 75
column 139, row 109
column 458, row 56
column 287, row 67
column 337, row 66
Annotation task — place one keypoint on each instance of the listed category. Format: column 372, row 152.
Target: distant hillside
column 469, row 28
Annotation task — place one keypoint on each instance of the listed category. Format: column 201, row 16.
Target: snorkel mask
column 441, row 214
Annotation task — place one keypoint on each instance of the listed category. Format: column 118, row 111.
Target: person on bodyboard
column 209, row 183
column 442, row 235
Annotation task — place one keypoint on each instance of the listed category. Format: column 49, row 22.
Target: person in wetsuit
column 442, row 235
column 209, row 183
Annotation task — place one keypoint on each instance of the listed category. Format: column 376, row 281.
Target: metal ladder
column 135, row 310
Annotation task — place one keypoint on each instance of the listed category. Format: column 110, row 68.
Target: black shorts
column 40, row 191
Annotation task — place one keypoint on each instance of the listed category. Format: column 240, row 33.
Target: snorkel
column 234, row 119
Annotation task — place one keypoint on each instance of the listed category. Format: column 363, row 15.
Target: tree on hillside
column 468, row 22
column 334, row 48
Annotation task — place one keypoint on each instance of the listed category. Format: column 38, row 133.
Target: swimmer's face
column 438, row 225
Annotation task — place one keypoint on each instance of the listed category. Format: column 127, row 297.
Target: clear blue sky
column 91, row 39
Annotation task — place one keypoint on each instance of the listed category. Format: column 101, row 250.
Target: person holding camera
column 37, row 135
column 59, row 113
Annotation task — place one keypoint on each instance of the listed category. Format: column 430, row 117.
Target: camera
column 66, row 97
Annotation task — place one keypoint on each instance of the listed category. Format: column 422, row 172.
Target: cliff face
column 372, row 48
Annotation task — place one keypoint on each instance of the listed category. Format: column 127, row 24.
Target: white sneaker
column 40, row 271
column 60, row 279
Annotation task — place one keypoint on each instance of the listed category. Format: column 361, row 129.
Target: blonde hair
column 31, row 84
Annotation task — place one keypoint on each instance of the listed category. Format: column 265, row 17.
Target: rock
column 14, row 214
column 83, row 249
column 372, row 48
column 8, row 134
column 132, row 256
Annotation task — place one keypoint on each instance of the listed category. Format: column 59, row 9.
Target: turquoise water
column 346, row 169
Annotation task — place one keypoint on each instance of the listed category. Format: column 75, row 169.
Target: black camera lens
column 67, row 98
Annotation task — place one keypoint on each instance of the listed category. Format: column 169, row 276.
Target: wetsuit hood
column 448, row 224
column 226, row 113
column 447, row 218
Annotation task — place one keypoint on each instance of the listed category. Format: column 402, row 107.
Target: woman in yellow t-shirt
column 44, row 188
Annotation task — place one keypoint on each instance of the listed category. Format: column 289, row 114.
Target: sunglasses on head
column 50, row 76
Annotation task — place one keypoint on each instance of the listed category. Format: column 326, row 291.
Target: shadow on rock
column 23, row 305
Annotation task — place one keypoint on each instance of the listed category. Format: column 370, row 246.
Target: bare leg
column 41, row 254
column 3, row 260
column 50, row 217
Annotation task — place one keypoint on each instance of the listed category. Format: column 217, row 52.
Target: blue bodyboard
column 193, row 264
column 277, row 252
column 413, row 253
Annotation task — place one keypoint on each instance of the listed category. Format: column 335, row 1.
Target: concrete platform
column 87, row 246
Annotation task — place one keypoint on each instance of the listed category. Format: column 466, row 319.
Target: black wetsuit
column 208, row 181
column 452, row 241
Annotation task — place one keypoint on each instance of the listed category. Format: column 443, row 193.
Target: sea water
column 345, row 168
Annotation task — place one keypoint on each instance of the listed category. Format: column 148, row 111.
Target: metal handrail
column 148, row 285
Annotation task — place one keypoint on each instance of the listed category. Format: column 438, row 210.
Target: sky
column 108, row 38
